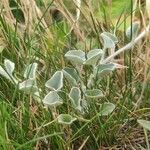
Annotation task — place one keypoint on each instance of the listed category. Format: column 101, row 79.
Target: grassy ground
column 28, row 33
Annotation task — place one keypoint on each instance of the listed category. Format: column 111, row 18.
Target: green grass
column 27, row 124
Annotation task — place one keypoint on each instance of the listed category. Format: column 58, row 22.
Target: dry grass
column 84, row 24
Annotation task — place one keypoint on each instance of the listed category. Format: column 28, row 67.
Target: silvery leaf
column 56, row 81
column 9, row 66
column 66, row 119
column 135, row 28
column 104, row 69
column 28, row 86
column 8, row 71
column 52, row 99
column 71, row 75
column 106, row 108
column 93, row 56
column 95, row 93
column 111, row 36
column 30, row 71
column 75, row 97
column 76, row 56
column 109, row 40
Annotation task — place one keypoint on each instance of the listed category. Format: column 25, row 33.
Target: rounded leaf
column 71, row 75
column 75, row 56
column 9, row 66
column 30, row 71
column 7, row 72
column 135, row 28
column 104, row 69
column 52, row 99
column 93, row 56
column 66, row 119
column 109, row 40
column 111, row 36
column 56, row 81
column 95, row 93
column 75, row 97
column 28, row 86
column 106, row 109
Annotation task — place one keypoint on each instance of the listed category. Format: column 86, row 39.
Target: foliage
column 67, row 80
column 78, row 93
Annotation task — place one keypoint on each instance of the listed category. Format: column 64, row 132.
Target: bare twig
column 128, row 46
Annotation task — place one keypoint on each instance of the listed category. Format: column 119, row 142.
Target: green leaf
column 76, row 56
column 52, row 99
column 95, row 93
column 30, row 71
column 111, row 36
column 104, row 69
column 144, row 123
column 71, row 75
column 106, row 109
column 28, row 86
column 75, row 97
column 135, row 28
column 93, row 56
column 109, row 40
column 56, row 81
column 66, row 119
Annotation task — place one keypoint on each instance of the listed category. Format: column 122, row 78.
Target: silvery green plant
column 81, row 86
column 29, row 84
column 82, row 91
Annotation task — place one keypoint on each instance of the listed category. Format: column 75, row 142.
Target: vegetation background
column 43, row 31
